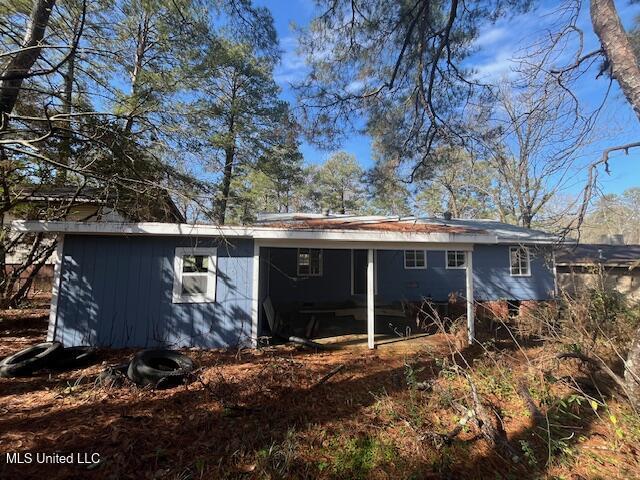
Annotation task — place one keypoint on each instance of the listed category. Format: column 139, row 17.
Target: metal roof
column 599, row 254
column 503, row 231
column 329, row 230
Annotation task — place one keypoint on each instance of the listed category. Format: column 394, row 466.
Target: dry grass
column 254, row 415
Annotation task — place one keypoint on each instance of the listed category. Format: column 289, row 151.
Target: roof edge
column 255, row 232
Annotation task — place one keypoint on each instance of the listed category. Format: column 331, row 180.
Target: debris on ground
column 25, row 362
column 160, row 368
column 264, row 414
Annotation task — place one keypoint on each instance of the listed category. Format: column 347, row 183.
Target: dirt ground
column 259, row 414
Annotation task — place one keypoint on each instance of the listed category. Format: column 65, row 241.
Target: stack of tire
column 150, row 368
column 48, row 355
column 155, row 368
column 160, row 368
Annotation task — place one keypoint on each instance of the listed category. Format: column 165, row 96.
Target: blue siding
column 286, row 287
column 116, row 291
column 435, row 282
column 493, row 281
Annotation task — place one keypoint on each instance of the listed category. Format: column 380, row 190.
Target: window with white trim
column 456, row 259
column 195, row 275
column 309, row 262
column 519, row 261
column 415, row 259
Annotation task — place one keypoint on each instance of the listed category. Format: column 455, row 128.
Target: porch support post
column 470, row 309
column 255, row 294
column 371, row 314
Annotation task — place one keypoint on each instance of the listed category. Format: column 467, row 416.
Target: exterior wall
column 286, row 287
column 435, row 282
column 117, row 292
column 576, row 279
column 492, row 279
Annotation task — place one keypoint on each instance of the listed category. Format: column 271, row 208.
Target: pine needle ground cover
column 397, row 412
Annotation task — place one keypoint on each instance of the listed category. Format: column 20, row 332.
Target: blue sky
column 498, row 45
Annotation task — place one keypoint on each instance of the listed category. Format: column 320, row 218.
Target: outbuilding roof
column 599, row 254
column 162, row 208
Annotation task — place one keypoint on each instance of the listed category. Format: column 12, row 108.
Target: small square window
column 415, row 259
column 519, row 261
column 309, row 262
column 195, row 275
column 456, row 259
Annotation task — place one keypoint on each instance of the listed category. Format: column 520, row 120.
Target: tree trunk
column 625, row 69
column 632, row 372
column 226, row 184
column 142, row 39
column 616, row 44
column 67, row 108
column 452, row 205
column 21, row 63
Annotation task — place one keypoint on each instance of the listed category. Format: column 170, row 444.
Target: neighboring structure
column 591, row 265
column 88, row 205
column 150, row 284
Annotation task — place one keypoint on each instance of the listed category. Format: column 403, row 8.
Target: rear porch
column 349, row 296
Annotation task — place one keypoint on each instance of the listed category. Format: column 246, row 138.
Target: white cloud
column 499, row 45
column 497, row 67
column 292, row 66
column 490, row 37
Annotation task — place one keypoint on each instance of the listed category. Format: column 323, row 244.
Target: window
column 456, row 259
column 415, row 259
column 195, row 275
column 309, row 262
column 519, row 261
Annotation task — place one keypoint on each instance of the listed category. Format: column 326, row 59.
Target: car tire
column 75, row 357
column 160, row 368
column 30, row 359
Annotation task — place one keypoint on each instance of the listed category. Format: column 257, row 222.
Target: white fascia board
column 115, row 228
column 365, row 245
column 527, row 241
column 283, row 235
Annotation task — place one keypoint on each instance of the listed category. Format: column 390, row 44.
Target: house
column 91, row 204
column 580, row 267
column 147, row 284
column 68, row 203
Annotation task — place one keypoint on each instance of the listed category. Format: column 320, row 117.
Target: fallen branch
column 496, row 437
column 598, row 364
column 327, row 376
column 536, row 414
